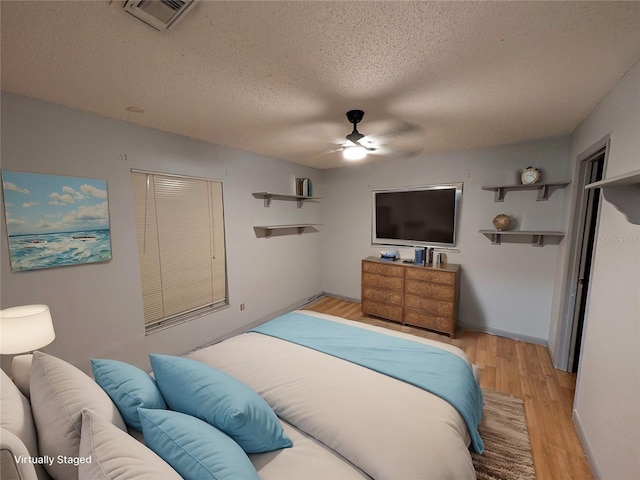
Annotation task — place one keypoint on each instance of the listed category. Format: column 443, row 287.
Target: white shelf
column 630, row 178
column 543, row 189
column 537, row 236
column 268, row 229
column 268, row 196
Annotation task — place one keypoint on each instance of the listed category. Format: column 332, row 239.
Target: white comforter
column 388, row 428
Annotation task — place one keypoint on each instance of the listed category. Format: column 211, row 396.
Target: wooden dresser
column 425, row 297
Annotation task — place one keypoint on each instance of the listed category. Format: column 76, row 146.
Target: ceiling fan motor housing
column 355, row 116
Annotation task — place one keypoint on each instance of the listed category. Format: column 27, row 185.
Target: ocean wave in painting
column 30, row 252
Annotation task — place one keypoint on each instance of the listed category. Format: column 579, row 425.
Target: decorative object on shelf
column 530, row 175
column 304, row 187
column 502, row 222
column 389, row 254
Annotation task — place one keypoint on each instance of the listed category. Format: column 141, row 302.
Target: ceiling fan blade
column 401, row 128
column 366, row 143
column 360, row 143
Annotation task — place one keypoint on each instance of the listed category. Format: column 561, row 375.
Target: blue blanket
column 437, row 371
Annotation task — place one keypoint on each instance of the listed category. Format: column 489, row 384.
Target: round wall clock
column 530, row 175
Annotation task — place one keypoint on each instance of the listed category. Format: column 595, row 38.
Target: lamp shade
column 25, row 328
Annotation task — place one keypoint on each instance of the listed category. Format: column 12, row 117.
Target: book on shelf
column 304, row 187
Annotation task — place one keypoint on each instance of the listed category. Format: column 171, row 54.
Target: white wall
column 97, row 308
column 607, row 401
column 505, row 289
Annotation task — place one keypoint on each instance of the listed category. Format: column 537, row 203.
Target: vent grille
column 160, row 14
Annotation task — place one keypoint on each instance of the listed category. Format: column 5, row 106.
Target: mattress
column 344, row 415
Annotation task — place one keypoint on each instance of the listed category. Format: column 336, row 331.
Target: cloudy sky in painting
column 38, row 203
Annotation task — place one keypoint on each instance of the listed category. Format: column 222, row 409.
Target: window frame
column 215, row 201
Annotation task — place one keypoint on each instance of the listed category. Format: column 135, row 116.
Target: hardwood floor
column 516, row 367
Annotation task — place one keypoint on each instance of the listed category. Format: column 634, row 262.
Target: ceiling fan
column 359, row 147
column 390, row 137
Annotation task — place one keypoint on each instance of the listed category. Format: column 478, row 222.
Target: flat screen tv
column 418, row 216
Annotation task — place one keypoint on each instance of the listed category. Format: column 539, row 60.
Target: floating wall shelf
column 630, row 178
column 537, row 235
column 543, row 189
column 268, row 229
column 623, row 192
column 267, row 196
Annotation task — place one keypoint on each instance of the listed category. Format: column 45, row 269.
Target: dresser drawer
column 382, row 281
column 429, row 305
column 380, row 310
column 431, row 275
column 379, row 295
column 436, row 290
column 383, row 269
column 427, row 320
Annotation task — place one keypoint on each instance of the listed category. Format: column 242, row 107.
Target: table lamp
column 24, row 329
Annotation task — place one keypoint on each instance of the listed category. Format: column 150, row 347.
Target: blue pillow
column 195, row 449
column 191, row 387
column 129, row 387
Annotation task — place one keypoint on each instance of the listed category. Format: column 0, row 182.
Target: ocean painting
column 55, row 221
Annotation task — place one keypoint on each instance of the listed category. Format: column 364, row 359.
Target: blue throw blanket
column 437, row 371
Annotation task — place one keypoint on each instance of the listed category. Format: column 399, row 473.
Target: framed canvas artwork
column 55, row 221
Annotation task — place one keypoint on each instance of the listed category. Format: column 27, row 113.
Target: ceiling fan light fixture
column 354, row 153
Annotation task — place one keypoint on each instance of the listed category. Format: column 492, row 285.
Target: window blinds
column 181, row 247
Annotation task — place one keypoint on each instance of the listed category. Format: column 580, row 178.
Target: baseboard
column 342, row 297
column 504, row 333
column 595, row 470
column 312, row 299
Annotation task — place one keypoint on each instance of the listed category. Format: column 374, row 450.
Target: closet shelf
column 543, row 189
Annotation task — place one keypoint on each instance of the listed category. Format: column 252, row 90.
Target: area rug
column 507, row 450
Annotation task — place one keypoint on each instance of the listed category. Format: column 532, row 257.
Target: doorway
column 591, row 169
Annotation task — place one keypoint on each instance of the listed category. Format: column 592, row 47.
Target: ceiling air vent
column 160, row 14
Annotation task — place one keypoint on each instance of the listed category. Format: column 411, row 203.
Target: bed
column 386, row 428
column 350, row 399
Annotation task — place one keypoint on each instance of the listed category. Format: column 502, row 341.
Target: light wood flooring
column 516, row 367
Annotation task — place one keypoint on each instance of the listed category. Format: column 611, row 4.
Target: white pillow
column 117, row 456
column 59, row 392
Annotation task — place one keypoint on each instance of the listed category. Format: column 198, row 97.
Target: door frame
column 563, row 351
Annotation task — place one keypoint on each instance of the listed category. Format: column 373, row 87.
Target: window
column 181, row 247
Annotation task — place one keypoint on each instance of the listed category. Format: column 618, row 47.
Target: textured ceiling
column 276, row 78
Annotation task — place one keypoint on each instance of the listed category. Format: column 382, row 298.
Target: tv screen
column 424, row 216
